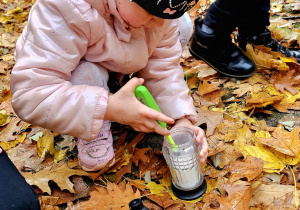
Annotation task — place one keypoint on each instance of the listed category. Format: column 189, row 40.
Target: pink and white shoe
column 94, row 155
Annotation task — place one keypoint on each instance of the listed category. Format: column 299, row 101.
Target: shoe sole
column 97, row 167
column 218, row 70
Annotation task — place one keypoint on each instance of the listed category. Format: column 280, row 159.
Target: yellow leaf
column 289, row 98
column 46, row 144
column 60, row 155
column 272, row 90
column 18, row 9
column 10, row 144
column 156, row 188
column 263, row 134
column 288, row 60
column 271, row 162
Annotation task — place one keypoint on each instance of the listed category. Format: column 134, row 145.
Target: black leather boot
column 266, row 39
column 220, row 53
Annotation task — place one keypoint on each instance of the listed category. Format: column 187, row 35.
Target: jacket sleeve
column 55, row 39
column 164, row 77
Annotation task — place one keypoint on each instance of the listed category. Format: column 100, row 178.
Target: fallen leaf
column 110, row 197
column 60, row 175
column 265, row 194
column 210, row 118
column 238, row 198
column 283, row 141
column 250, row 168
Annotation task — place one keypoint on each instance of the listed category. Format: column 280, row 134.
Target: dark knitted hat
column 166, row 9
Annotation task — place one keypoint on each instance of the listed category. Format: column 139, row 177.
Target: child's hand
column 123, row 107
column 200, row 137
column 0, row 150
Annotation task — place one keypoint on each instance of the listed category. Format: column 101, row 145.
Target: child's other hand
column 0, row 150
column 200, row 137
column 124, row 108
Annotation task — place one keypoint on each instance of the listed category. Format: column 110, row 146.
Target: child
column 15, row 192
column 66, row 53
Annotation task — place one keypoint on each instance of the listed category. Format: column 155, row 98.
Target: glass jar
column 184, row 159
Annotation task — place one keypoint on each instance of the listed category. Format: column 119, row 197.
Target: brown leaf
column 165, row 200
column 139, row 184
column 208, row 86
column 59, row 175
column 211, row 118
column 139, row 155
column 81, row 189
column 231, row 153
column 124, row 170
column 264, row 97
column 157, row 166
column 286, row 82
column 238, row 198
column 283, row 141
column 265, row 194
column 250, row 168
column 213, row 98
column 24, row 156
column 111, row 197
column 7, row 134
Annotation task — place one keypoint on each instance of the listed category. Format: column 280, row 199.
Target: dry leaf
column 286, row 82
column 59, row 175
column 111, row 197
column 250, row 168
column 238, row 198
column 210, row 118
column 283, row 141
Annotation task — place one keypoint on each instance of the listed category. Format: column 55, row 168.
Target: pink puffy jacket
column 60, row 33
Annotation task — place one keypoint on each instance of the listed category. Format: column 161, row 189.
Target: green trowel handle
column 142, row 93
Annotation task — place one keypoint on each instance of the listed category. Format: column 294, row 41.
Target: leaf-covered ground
column 252, row 127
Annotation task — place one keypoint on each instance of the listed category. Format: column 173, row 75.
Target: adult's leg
column 15, row 192
column 222, row 17
column 254, row 17
column 253, row 22
column 212, row 42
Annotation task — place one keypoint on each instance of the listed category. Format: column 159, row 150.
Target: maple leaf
column 110, row 197
column 286, row 82
column 60, row 175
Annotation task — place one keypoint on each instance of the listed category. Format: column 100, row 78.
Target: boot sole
column 218, row 70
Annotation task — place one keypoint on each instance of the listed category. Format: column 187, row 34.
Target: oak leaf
column 238, row 198
column 110, row 197
column 265, row 194
column 287, row 82
column 283, row 141
column 60, row 175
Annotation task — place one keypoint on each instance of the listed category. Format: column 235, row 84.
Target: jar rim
column 186, row 130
